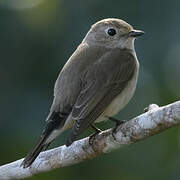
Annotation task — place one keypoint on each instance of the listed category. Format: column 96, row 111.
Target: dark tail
column 32, row 155
column 55, row 122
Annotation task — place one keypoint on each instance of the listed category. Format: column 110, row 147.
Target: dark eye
column 111, row 32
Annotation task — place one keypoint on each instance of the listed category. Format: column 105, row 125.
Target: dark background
column 36, row 39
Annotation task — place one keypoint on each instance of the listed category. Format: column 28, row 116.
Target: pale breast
column 121, row 100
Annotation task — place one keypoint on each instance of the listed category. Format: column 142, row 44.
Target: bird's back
column 69, row 82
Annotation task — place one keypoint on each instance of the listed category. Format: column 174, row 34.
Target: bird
column 97, row 81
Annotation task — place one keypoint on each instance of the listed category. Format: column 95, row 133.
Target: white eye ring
column 111, row 31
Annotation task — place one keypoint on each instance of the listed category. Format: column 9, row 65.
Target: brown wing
column 103, row 81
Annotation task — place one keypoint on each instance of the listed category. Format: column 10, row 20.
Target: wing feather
column 103, row 81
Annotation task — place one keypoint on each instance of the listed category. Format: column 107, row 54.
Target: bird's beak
column 135, row 33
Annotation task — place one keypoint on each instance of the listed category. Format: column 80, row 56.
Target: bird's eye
column 111, row 32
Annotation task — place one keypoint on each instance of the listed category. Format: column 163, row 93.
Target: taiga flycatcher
column 97, row 81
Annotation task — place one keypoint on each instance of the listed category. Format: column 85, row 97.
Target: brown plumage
column 97, row 81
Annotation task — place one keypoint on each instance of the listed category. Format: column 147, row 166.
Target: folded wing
column 103, row 81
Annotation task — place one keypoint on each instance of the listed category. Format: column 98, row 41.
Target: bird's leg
column 97, row 131
column 118, row 122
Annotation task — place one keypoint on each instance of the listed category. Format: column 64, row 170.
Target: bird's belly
column 120, row 101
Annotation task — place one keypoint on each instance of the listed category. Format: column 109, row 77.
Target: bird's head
column 112, row 33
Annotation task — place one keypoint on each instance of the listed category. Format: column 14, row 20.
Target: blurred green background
column 36, row 39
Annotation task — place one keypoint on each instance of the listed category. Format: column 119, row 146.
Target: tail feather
column 32, row 155
column 52, row 129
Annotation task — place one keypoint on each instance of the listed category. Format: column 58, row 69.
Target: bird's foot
column 92, row 137
column 118, row 122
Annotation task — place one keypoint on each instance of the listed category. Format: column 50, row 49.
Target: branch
column 156, row 120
